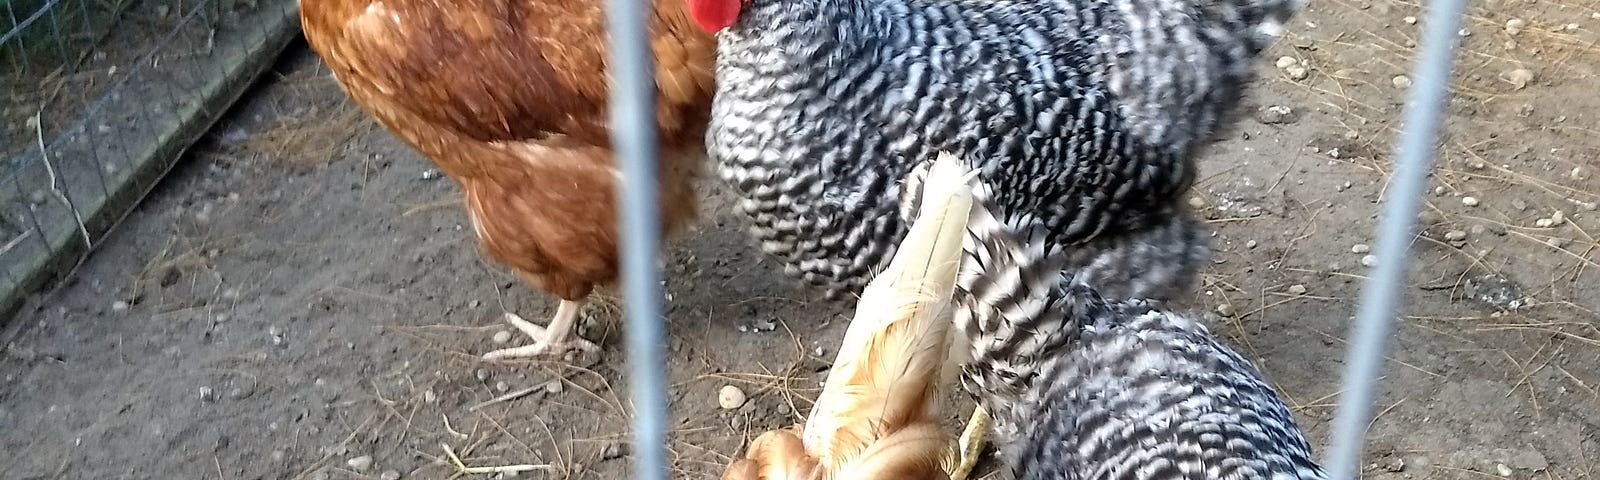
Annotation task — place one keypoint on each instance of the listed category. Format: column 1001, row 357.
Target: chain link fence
column 101, row 98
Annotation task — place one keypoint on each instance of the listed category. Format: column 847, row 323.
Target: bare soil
column 303, row 298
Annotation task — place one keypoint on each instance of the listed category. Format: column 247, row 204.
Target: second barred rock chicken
column 1086, row 115
column 1089, row 111
column 1081, row 386
column 509, row 98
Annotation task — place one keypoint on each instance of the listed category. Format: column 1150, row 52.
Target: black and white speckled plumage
column 1144, row 393
column 1082, row 387
column 823, row 106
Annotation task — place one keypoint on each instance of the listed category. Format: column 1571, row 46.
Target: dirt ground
column 302, row 297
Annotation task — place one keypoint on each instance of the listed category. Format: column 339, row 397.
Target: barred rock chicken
column 1087, row 114
column 877, row 416
column 509, row 99
column 1090, row 110
column 1084, row 387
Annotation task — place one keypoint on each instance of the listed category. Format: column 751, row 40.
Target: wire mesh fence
column 101, row 98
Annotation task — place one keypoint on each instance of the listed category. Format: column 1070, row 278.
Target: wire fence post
column 1414, row 154
column 633, row 136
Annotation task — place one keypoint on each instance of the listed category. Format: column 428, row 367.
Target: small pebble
column 1286, row 62
column 1275, row 115
column 1439, row 190
column 482, row 374
column 1409, row 20
column 1502, row 469
column 1369, row 260
column 1297, row 289
column 1360, row 248
column 1558, row 218
column 1469, row 201
column 730, row 397
column 1579, row 173
column 1455, row 235
column 554, row 386
column 429, row 397
column 1401, row 81
column 119, row 306
column 1225, row 310
column 1543, row 223
column 1515, row 25
column 389, row 475
column 614, row 451
column 1250, row 244
column 1519, row 77
column 359, row 464
column 502, row 336
column 501, row 386
column 1297, row 72
column 1197, row 202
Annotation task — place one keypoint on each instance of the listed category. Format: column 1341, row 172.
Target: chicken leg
column 971, row 445
column 560, row 339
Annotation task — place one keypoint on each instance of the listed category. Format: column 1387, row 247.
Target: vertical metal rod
column 60, row 38
column 633, row 137
column 16, row 31
column 1414, row 153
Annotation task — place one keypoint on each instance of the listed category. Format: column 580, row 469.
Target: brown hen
column 878, row 414
column 509, row 98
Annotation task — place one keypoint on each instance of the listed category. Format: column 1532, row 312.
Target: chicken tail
column 877, row 411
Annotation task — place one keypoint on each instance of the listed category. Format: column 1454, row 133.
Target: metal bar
column 633, row 137
column 1414, row 154
column 16, row 31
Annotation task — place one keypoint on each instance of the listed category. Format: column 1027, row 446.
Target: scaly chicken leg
column 971, row 444
column 560, row 339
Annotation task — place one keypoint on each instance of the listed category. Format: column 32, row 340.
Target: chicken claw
column 971, row 446
column 560, row 340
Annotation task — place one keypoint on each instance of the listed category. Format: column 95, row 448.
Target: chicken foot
column 560, row 339
column 971, row 444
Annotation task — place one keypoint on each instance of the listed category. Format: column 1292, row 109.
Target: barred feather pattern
column 1084, row 387
column 1149, row 394
column 1090, row 111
